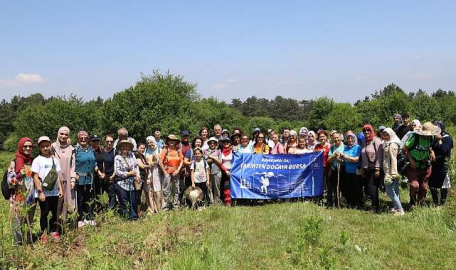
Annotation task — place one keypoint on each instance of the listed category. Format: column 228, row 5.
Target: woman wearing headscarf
column 442, row 146
column 352, row 188
column 397, row 122
column 391, row 144
column 22, row 190
column 65, row 154
column 303, row 133
column 292, row 144
column 311, row 140
column 372, row 157
column 153, row 187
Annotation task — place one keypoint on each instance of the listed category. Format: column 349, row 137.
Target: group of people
column 66, row 178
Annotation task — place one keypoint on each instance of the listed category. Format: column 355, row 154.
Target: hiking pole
column 338, row 185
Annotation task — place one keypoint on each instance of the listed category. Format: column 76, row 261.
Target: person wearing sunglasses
column 261, row 147
column 22, row 191
column 86, row 166
column 65, row 154
column 372, row 160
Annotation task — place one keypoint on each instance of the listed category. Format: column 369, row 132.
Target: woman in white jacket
column 391, row 146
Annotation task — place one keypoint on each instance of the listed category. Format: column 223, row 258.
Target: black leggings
column 49, row 205
column 85, row 204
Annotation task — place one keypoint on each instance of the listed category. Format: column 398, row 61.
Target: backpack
column 6, row 190
column 205, row 165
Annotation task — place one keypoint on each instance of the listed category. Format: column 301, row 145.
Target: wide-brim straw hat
column 125, row 142
column 172, row 137
column 428, row 129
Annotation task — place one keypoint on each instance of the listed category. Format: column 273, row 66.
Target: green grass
column 272, row 236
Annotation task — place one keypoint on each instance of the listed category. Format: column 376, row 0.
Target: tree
column 156, row 101
column 320, row 109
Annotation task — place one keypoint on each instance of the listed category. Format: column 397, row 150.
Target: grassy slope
column 273, row 236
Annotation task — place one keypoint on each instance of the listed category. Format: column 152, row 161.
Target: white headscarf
column 148, row 150
column 393, row 137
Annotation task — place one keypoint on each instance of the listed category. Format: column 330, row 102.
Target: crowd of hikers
column 66, row 178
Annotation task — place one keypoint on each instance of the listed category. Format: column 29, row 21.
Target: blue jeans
column 392, row 190
column 126, row 199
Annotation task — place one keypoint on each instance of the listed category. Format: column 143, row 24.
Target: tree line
column 169, row 103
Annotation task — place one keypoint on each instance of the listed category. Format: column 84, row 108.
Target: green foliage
column 157, row 101
column 343, row 117
column 45, row 120
column 321, row 108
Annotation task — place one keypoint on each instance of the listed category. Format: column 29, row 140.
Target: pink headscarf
column 21, row 157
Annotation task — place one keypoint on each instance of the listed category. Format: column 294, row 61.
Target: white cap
column 43, row 139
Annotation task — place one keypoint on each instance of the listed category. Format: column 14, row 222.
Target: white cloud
column 22, row 79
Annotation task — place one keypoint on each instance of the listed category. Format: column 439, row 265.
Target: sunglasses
column 366, row 130
column 27, row 146
column 84, row 138
column 109, row 141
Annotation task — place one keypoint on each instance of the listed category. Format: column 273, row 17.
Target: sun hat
column 381, row 128
column 256, row 130
column 172, row 137
column 428, row 129
column 212, row 139
column 125, row 142
column 43, row 139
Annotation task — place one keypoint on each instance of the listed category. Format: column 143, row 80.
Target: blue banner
column 255, row 176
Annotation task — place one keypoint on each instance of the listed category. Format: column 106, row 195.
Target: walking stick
column 338, row 185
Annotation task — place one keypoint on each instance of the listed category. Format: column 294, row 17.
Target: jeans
column 392, row 190
column 126, row 199
column 19, row 222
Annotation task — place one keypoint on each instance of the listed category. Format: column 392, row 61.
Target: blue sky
column 230, row 49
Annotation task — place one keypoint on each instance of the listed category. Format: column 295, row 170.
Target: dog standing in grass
column 199, row 172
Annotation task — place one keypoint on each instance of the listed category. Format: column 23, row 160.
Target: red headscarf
column 372, row 132
column 21, row 157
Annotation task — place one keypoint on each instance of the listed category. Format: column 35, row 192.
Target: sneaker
column 43, row 238
column 56, row 235
column 81, row 224
column 90, row 222
column 393, row 210
column 399, row 213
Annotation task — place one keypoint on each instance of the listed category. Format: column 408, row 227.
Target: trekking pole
column 338, row 185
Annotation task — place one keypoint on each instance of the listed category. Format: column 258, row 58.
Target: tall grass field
column 285, row 235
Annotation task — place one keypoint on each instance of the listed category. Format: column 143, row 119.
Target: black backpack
column 6, row 191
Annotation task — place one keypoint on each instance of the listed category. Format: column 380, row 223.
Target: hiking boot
column 56, row 235
column 399, row 213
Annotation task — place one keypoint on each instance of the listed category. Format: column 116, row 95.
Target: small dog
column 194, row 196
